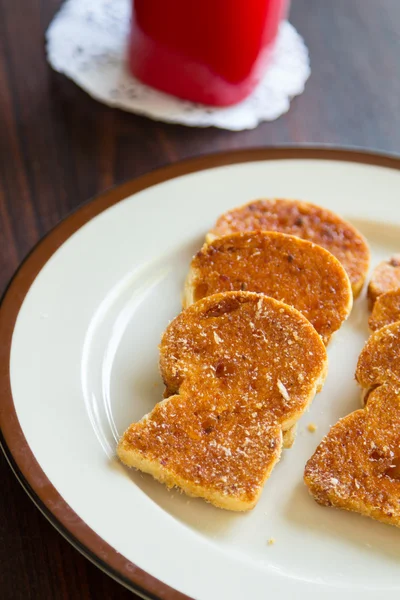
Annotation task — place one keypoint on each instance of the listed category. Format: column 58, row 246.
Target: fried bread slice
column 234, row 382
column 285, row 267
column 385, row 278
column 379, row 361
column 386, row 310
column 307, row 221
column 356, row 467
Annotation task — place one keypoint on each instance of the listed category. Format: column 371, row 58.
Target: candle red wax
column 208, row 51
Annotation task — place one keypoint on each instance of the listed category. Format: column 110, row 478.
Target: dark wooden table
column 58, row 147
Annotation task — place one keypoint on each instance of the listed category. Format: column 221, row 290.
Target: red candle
column 208, row 51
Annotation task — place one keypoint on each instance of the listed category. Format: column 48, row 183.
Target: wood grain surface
column 58, row 148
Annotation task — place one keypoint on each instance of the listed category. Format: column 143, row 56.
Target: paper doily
column 87, row 42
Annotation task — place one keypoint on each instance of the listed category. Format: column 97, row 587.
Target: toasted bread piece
column 306, row 221
column 379, row 361
column 385, row 278
column 282, row 266
column 237, row 382
column 386, row 310
column 357, row 465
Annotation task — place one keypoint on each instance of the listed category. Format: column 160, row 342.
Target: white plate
column 83, row 365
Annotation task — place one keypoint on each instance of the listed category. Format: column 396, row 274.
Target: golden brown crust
column 385, row 278
column 238, row 383
column 285, row 267
column 386, row 310
column 306, row 221
column 357, row 465
column 379, row 361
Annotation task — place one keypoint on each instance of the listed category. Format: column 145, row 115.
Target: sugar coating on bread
column 357, row 465
column 385, row 278
column 379, row 361
column 386, row 310
column 238, row 368
column 307, row 221
column 282, row 266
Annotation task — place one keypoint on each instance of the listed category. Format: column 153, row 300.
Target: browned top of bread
column 379, row 361
column 357, row 465
column 386, row 310
column 242, row 367
column 385, row 277
column 284, row 267
column 307, row 221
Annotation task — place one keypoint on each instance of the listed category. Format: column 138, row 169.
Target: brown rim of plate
column 13, row 441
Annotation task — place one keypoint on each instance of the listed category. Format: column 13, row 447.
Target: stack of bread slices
column 241, row 363
column 357, row 466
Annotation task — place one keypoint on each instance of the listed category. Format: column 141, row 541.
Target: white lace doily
column 87, row 42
